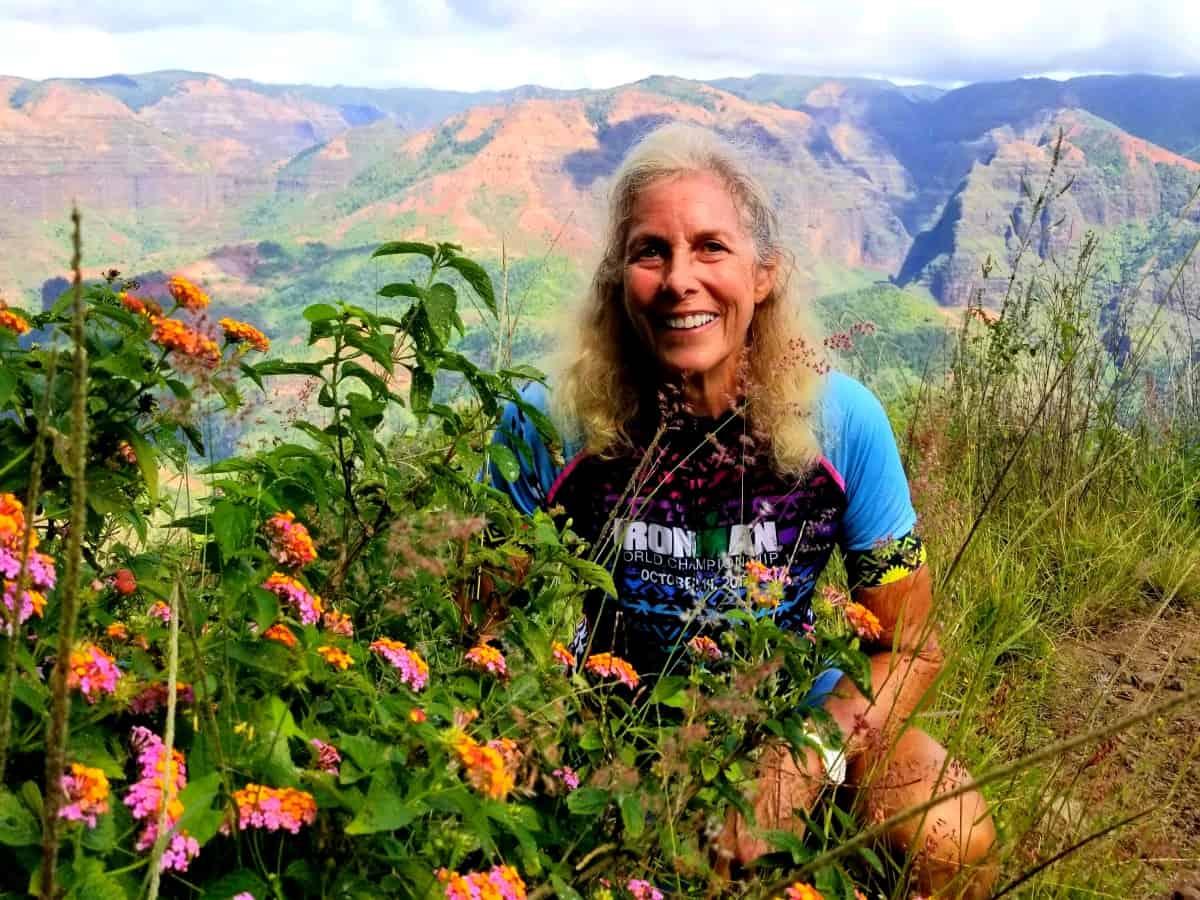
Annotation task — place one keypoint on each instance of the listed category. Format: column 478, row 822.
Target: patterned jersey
column 698, row 522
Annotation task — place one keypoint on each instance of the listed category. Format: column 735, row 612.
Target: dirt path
column 1115, row 674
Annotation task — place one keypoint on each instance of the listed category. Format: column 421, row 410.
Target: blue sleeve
column 538, row 470
column 859, row 443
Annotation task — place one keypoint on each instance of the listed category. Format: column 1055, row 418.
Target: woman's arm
column 904, row 667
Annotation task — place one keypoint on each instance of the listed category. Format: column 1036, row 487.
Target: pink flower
column 328, row 758
column 414, row 671
column 643, row 890
column 93, row 671
column 161, row 611
column 568, row 776
column 487, row 658
column 307, row 606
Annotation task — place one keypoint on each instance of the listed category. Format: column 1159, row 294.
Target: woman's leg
column 953, row 845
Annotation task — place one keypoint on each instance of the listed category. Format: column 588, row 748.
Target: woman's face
column 692, row 281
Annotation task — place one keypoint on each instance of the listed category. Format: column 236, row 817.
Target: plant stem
column 56, row 736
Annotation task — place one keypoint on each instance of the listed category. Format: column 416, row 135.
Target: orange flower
column 124, row 583
column 864, row 622
column 12, row 321
column 562, row 655
column 416, row 715
column 291, row 544
column 141, row 306
column 12, row 523
column 801, row 891
column 608, row 665
column 336, row 657
column 487, row 658
column 705, row 647
column 117, row 631
column 186, row 341
column 186, row 294
column 243, row 332
column 281, row 634
column 338, row 623
column 274, row 808
column 490, row 767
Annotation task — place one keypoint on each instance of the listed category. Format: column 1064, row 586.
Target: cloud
column 478, row 44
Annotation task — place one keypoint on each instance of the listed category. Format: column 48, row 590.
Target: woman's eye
column 713, row 247
column 647, row 251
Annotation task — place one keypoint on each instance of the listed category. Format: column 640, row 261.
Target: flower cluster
column 338, row 623
column 187, row 294
column 568, row 776
column 562, row 655
column 124, row 583
column 643, row 890
column 154, row 697
column 160, row 611
column 765, row 584
column 291, row 544
column 142, row 306
column 307, row 606
column 336, row 657
column 281, row 634
column 40, row 573
column 607, row 665
column 491, row 767
column 274, row 808
column 127, row 453
column 864, row 622
column 414, row 671
column 160, row 776
column 704, row 647
column 487, row 658
column 243, row 332
column 85, row 795
column 800, row 890
column 92, row 671
column 500, row 883
column 186, row 341
column 328, row 758
column 12, row 321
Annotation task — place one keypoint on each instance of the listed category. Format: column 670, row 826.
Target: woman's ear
column 764, row 280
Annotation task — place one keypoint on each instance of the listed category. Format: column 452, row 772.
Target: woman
column 709, row 433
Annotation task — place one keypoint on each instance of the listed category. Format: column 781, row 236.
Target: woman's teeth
column 692, row 321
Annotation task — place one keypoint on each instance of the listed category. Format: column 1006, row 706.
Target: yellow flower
column 186, row 294
column 336, row 657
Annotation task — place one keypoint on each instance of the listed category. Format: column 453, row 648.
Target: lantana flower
column 801, row 890
column 281, row 634
column 141, row 306
column 154, row 697
column 562, row 655
column 307, row 606
column 12, row 321
column 274, row 809
column 487, row 658
column 864, row 622
column 160, row 611
column 160, row 776
column 499, row 883
column 704, row 647
column 338, row 623
column 490, row 767
column 328, row 758
column 643, row 890
column 124, row 583
column 92, row 671
column 765, row 584
column 85, row 795
column 243, row 332
column 568, row 776
column 186, row 341
column 187, row 294
column 608, row 665
column 413, row 670
column 291, row 544
column 336, row 657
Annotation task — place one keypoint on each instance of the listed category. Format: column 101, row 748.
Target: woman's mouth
column 690, row 322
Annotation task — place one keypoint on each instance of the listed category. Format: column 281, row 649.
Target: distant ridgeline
column 272, row 196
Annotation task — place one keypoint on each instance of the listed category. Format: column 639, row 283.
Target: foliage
column 352, row 714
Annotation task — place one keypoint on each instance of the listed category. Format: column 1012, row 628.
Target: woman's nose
column 679, row 279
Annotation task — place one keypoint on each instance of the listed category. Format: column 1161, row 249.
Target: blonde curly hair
column 604, row 372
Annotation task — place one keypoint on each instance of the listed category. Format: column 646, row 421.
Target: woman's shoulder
column 847, row 406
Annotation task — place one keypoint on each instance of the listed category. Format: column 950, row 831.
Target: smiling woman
column 717, row 465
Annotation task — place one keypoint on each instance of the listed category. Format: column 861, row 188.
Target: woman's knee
column 953, row 843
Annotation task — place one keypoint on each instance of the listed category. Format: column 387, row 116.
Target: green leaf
column 282, row 367
column 8, row 383
column 321, row 312
column 587, row 801
column 505, row 461
column 593, row 574
column 147, row 460
column 441, row 309
column 199, row 818
column 377, row 386
column 671, row 691
column 401, row 289
column 399, row 248
column 384, row 810
column 18, row 827
column 632, row 816
column 421, row 390
column 476, row 276
column 377, row 345
column 233, row 526
column 243, row 880
column 252, row 374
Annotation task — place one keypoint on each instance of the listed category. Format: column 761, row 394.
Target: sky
column 492, row 44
